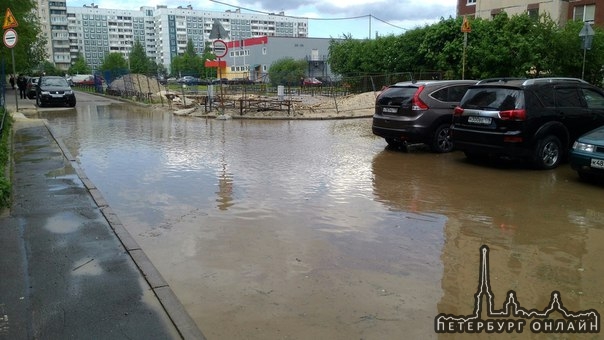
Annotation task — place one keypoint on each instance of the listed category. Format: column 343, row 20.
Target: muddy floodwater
column 314, row 230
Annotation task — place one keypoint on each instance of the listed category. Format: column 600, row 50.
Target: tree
column 139, row 63
column 188, row 64
column 51, row 69
column 79, row 66
column 114, row 65
column 30, row 49
column 504, row 46
column 287, row 71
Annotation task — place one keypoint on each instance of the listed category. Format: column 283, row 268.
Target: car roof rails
column 553, row 79
column 498, row 80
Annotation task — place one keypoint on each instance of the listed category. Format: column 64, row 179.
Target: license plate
column 390, row 110
column 597, row 163
column 479, row 120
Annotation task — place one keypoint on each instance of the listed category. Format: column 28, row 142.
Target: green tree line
column 516, row 46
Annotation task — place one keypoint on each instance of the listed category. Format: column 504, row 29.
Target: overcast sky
column 388, row 16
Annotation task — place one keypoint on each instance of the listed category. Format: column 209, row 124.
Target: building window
column 533, row 11
column 585, row 13
column 471, row 2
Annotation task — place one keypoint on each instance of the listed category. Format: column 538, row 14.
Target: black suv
column 54, row 90
column 532, row 119
column 418, row 112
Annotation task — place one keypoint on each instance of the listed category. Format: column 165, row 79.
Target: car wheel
column 441, row 140
column 72, row 102
column 547, row 153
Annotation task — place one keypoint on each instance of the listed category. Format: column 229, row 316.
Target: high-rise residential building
column 164, row 32
column 53, row 22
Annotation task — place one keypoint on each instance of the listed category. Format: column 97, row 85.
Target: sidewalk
column 69, row 269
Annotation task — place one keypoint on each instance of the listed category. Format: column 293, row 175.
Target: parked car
column 312, row 82
column 54, row 90
column 536, row 120
column 189, row 80
column 587, row 154
column 82, row 79
column 418, row 112
column 30, row 88
column 162, row 80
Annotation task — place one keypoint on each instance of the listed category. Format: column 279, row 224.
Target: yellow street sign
column 465, row 26
column 9, row 20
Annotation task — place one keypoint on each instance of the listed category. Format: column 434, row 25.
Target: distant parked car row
column 538, row 120
column 191, row 81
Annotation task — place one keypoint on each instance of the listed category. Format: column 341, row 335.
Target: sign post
column 587, row 35
column 220, row 50
column 10, row 38
column 465, row 28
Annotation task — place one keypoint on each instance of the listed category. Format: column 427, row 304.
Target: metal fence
column 214, row 94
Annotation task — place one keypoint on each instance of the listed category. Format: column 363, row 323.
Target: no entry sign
column 10, row 38
column 220, row 48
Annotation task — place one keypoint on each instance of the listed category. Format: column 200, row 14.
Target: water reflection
column 545, row 229
column 313, row 229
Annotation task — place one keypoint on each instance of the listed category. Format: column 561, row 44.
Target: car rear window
column 492, row 98
column 396, row 95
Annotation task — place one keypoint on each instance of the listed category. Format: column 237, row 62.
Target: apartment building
column 164, row 32
column 53, row 23
column 560, row 10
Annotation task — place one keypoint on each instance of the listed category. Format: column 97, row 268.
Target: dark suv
column 418, row 112
column 54, row 90
column 532, row 119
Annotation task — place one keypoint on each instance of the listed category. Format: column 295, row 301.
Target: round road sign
column 10, row 38
column 220, row 48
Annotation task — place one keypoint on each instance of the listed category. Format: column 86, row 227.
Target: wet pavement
column 65, row 272
column 313, row 229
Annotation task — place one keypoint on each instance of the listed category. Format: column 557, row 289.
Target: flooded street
column 313, row 230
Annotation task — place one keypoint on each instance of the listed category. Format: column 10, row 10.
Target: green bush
column 5, row 188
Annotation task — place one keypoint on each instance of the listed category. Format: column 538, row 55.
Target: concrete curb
column 181, row 320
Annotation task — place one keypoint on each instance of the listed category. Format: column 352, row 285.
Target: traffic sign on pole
column 220, row 48
column 10, row 38
column 9, row 20
column 465, row 25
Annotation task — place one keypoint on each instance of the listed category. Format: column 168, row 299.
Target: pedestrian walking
column 22, row 84
column 12, row 81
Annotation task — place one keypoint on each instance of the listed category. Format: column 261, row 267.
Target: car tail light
column 513, row 114
column 416, row 103
column 458, row 111
column 513, row 139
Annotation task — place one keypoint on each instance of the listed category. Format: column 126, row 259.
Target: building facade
column 251, row 58
column 164, row 32
column 54, row 26
column 561, row 11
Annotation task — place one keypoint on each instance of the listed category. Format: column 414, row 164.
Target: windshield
column 54, row 82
